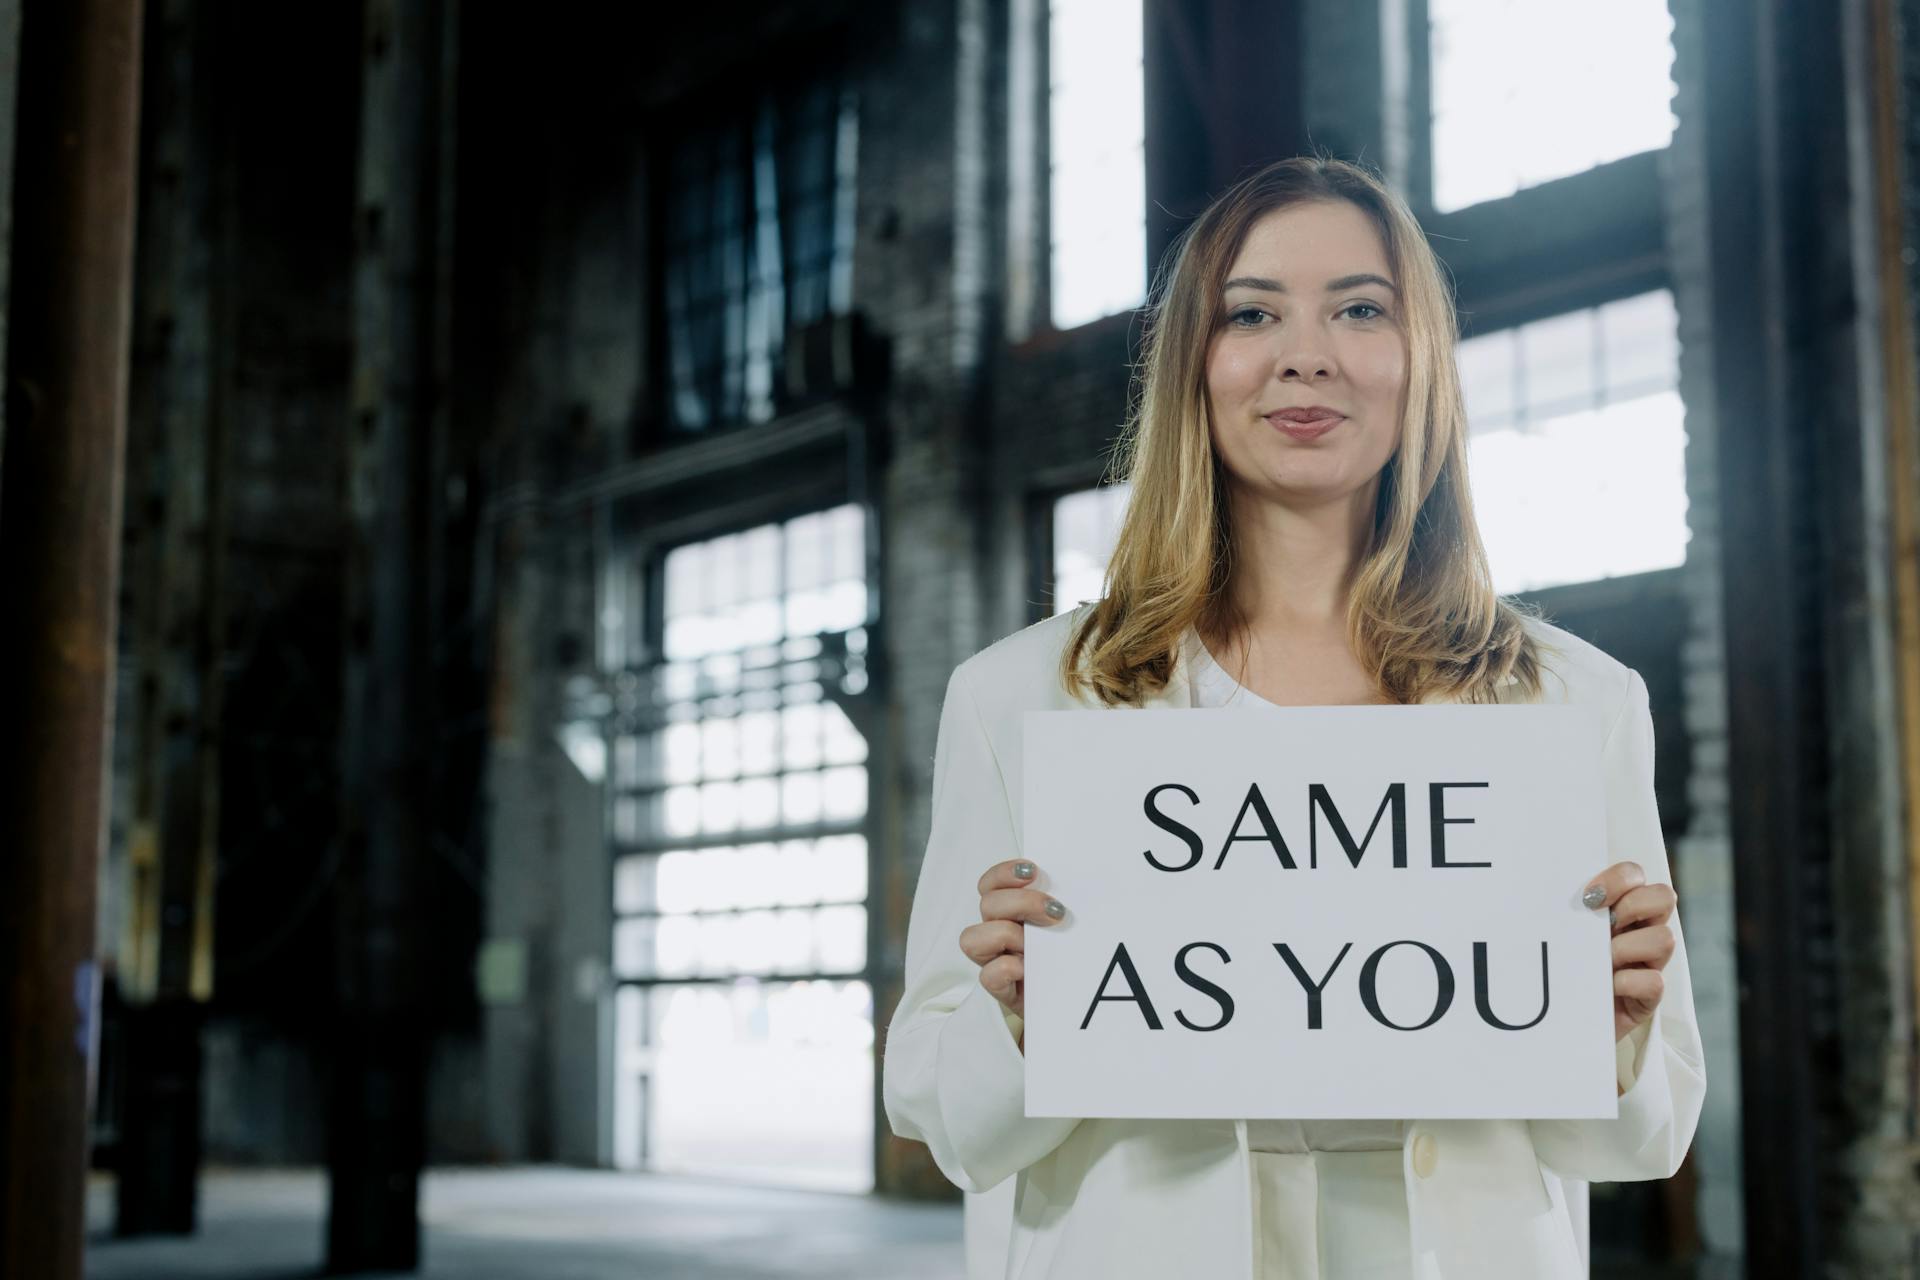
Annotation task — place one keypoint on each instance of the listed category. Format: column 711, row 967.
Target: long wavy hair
column 1423, row 617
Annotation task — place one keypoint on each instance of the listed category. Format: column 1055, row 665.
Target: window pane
column 840, row 869
column 806, row 552
column 841, row 742
column 633, row 948
column 800, row 798
column 1588, row 481
column 789, row 874
column 1515, row 83
column 1490, row 380
column 800, row 736
column 680, row 745
column 841, row 935
column 1557, row 362
column 634, row 881
column 759, row 732
column 768, row 1080
column 718, row 809
column 1098, row 177
column 844, row 793
column 1638, row 345
column 741, row 736
column 682, row 811
column 758, row 238
column 759, row 800
column 1085, row 527
column 679, row 945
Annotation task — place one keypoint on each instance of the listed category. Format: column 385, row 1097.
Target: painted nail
column 1613, row 917
column 1055, row 908
column 1023, row 869
column 1595, row 895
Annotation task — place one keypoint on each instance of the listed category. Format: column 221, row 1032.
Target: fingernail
column 1613, row 917
column 1595, row 895
column 1055, row 908
column 1023, row 869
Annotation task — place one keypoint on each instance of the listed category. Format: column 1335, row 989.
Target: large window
column 1518, row 87
column 758, row 221
column 744, row 1016
column 1097, row 141
column 1577, row 444
column 1086, row 524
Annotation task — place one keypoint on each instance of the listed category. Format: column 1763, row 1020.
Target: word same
column 1393, row 805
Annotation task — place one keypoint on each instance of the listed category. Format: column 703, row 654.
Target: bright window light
column 1577, row 444
column 798, row 578
column 764, row 1080
column 1516, row 83
column 1098, row 173
column 1085, row 527
column 739, row 860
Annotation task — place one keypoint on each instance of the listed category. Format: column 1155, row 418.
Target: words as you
column 1135, row 992
column 1254, row 822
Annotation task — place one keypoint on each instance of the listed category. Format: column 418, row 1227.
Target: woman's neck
column 1293, row 566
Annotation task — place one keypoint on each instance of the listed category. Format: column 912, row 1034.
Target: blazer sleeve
column 1659, row 1063
column 952, row 1076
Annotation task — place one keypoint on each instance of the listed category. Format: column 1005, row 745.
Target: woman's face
column 1299, row 325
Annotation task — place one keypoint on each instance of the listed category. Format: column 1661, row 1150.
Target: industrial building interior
column 491, row 498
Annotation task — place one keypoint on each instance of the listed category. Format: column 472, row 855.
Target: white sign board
column 1318, row 912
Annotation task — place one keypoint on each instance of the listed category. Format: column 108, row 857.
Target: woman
column 1299, row 532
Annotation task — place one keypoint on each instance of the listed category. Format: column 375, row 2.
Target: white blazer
column 1106, row 1199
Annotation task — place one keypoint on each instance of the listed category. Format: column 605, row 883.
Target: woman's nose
column 1305, row 369
column 1303, row 356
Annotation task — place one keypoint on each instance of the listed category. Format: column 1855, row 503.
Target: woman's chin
column 1303, row 486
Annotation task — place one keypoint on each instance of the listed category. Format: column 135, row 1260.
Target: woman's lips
column 1311, row 430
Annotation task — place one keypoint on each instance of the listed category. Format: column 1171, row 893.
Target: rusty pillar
column 60, row 487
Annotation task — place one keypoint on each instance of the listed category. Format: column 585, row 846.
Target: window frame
column 642, row 553
column 1027, row 270
column 1570, row 242
column 828, row 54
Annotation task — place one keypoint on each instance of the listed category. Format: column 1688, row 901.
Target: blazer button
column 1426, row 1153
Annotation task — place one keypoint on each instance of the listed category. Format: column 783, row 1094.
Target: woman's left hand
column 1643, row 941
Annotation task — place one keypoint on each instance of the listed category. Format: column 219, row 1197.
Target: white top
column 1329, row 1196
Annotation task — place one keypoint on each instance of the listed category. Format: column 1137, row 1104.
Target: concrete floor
column 548, row 1224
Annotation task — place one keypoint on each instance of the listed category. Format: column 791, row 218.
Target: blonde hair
column 1423, row 618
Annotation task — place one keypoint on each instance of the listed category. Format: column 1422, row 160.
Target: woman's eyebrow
column 1333, row 286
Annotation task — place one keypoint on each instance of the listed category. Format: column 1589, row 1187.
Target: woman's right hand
column 1008, row 903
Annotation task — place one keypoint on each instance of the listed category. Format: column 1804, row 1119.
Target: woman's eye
column 1239, row 319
